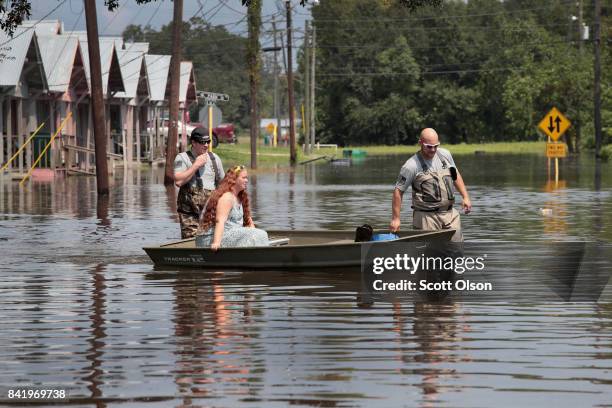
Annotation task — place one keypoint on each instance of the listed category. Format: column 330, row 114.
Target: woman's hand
column 215, row 246
column 251, row 224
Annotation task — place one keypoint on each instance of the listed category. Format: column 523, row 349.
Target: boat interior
column 343, row 237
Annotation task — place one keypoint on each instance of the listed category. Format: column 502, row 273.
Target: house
column 22, row 83
column 64, row 66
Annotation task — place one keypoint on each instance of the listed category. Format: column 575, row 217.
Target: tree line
column 477, row 71
column 482, row 70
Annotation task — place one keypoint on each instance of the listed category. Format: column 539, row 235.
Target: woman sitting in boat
column 227, row 219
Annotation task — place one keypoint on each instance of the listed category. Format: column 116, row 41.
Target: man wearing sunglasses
column 431, row 173
column 197, row 172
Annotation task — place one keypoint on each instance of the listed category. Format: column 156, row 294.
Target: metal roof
column 13, row 53
column 187, row 90
column 137, row 46
column 157, row 71
column 111, row 72
column 59, row 53
column 131, row 67
column 45, row 27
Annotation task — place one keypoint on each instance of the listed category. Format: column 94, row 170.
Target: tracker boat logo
column 195, row 259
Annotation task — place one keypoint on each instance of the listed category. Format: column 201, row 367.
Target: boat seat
column 279, row 242
column 341, row 241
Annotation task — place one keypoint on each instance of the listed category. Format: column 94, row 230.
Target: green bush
column 606, row 152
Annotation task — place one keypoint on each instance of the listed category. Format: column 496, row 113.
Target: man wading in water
column 431, row 173
column 197, row 173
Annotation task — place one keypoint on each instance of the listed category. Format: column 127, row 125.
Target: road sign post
column 554, row 125
column 211, row 99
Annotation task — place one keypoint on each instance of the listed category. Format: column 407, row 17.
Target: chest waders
column 192, row 199
column 433, row 190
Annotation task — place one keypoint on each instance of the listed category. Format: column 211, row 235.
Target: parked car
column 224, row 133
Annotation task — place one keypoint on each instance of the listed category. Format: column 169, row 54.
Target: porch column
column 9, row 131
column 156, row 130
column 20, row 130
column 88, row 143
column 129, row 134
column 110, row 146
column 2, row 132
column 55, row 147
column 122, row 114
column 137, row 129
column 31, row 128
column 69, row 154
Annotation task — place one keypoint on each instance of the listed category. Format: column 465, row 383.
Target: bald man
column 431, row 173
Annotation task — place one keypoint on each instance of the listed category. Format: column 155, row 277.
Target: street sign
column 554, row 124
column 556, row 150
column 270, row 127
column 213, row 96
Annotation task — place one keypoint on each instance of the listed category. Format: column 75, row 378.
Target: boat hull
column 306, row 249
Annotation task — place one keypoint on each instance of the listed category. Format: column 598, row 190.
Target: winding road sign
column 554, row 124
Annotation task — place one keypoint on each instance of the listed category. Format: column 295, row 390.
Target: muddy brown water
column 83, row 309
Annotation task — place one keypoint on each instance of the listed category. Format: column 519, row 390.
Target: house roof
column 112, row 80
column 137, row 46
column 187, row 89
column 59, row 54
column 131, row 69
column 158, row 67
column 45, row 27
column 17, row 52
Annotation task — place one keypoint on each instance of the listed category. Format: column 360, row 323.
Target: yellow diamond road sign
column 554, row 124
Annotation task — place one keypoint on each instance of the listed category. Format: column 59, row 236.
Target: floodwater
column 84, row 310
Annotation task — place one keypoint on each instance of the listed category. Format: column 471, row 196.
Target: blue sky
column 230, row 13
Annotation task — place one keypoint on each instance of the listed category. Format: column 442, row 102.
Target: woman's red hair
column 210, row 213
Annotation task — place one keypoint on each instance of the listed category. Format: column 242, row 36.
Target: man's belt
column 450, row 207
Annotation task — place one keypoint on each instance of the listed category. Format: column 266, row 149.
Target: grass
column 514, row 147
column 268, row 156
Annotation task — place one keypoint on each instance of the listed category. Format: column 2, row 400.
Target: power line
column 462, row 29
column 33, row 26
column 458, row 71
column 439, row 17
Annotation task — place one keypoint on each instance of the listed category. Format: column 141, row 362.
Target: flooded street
column 84, row 309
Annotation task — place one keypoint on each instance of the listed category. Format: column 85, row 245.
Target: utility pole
column 306, row 89
column 253, row 62
column 292, row 150
column 276, row 101
column 580, row 40
column 175, row 74
column 597, row 87
column 97, row 99
column 313, row 51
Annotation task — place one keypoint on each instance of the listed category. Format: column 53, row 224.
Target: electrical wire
column 33, row 26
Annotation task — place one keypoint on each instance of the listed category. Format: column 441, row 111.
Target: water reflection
column 95, row 353
column 436, row 330
column 102, row 210
column 213, row 347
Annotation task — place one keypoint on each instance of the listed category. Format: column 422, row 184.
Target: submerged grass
column 267, row 156
column 511, row 147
